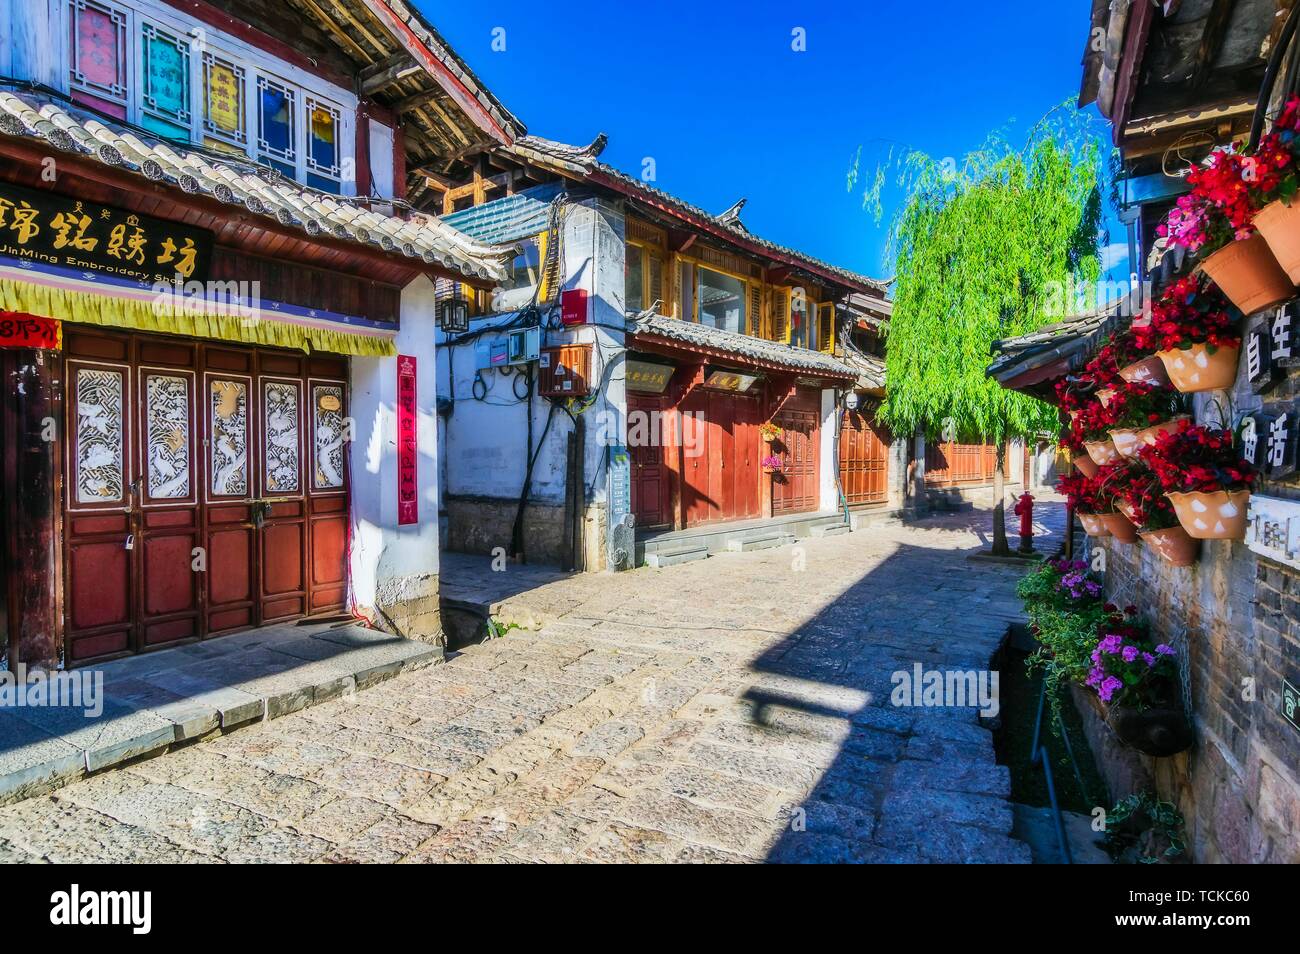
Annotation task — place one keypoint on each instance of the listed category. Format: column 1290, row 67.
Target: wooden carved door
column 797, row 489
column 206, row 490
column 864, row 459
column 648, row 435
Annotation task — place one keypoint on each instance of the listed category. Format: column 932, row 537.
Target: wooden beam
column 416, row 100
column 340, row 35
column 382, row 75
column 1212, row 37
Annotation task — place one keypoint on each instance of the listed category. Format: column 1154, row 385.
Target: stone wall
column 1236, row 620
column 481, row 524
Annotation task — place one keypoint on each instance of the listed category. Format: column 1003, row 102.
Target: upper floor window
column 721, row 300
column 643, row 278
column 181, row 82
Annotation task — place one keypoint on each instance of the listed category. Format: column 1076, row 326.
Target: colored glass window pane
column 276, row 120
column 323, row 128
column 99, row 47
column 223, row 102
column 166, row 69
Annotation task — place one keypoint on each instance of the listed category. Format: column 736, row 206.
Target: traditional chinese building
column 701, row 371
column 217, row 332
column 1176, row 80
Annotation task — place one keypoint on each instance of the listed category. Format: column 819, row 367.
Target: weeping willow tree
column 983, row 250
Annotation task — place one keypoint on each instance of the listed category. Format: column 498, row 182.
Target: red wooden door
column 864, row 459
column 647, row 436
column 797, row 489
column 191, row 506
column 747, row 453
column 721, row 453
column 698, row 445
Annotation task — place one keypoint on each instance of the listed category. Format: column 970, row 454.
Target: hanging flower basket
column 1149, row 435
column 1201, row 367
column 769, row 432
column 1217, row 515
column 1279, row 225
column 1085, row 465
column 1249, row 275
column 1159, row 733
column 1150, row 370
column 1135, row 679
column 1102, row 452
column 1120, row 527
column 1173, row 544
column 1206, row 479
column 1105, row 396
column 1093, row 525
column 772, row 465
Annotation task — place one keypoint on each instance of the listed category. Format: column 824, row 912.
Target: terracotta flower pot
column 1148, row 435
column 1085, row 465
column 1196, row 369
column 1093, row 525
column 1102, row 452
column 1249, row 275
column 1105, row 396
column 1173, row 544
column 1279, row 224
column 1156, row 732
column 1134, row 516
column 1120, row 527
column 1220, row 515
column 1126, row 441
column 1147, row 371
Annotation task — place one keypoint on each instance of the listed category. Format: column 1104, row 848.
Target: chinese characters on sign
column 18, row 330
column 1270, row 347
column 647, row 376
column 1269, row 440
column 57, row 230
column 408, row 507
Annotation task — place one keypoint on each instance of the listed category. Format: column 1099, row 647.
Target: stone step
column 765, row 542
column 662, row 558
column 830, row 530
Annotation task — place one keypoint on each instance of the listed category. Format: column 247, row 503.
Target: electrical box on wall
column 491, row 353
column 565, row 371
column 573, row 306
column 523, row 345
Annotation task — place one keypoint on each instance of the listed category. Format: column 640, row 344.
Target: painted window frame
column 205, row 44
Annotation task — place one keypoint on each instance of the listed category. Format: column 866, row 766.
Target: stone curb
column 50, row 759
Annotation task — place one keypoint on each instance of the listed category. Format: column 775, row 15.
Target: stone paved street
column 734, row 709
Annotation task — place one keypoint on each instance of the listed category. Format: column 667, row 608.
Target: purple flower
column 1164, row 649
column 1108, row 687
column 1151, row 660
column 1130, row 653
column 1111, row 644
column 1095, row 676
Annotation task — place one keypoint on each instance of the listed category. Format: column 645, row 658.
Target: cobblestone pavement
column 734, row 709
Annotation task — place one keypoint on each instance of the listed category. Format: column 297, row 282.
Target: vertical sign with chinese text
column 408, row 507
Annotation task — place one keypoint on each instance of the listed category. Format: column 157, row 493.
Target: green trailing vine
column 1144, row 830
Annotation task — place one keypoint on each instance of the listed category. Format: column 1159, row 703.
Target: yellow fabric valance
column 144, row 313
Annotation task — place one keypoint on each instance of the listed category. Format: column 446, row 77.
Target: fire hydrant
column 1025, row 511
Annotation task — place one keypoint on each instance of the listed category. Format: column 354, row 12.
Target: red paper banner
column 408, row 506
column 19, row 330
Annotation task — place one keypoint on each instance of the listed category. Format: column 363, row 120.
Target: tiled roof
column 509, row 218
column 1073, row 341
column 692, row 333
column 582, row 161
column 240, row 181
column 870, row 369
column 429, row 37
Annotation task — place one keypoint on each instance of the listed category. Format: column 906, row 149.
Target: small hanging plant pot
column 1159, row 733
column 1085, row 465
column 1217, row 515
column 1148, row 435
column 1279, row 224
column 1173, row 545
column 1120, row 527
column 1197, row 369
column 1126, row 441
column 1134, row 515
column 1093, row 525
column 1150, row 370
column 1102, row 452
column 1249, row 275
column 1105, row 396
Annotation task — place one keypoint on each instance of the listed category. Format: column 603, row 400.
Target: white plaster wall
column 484, row 441
column 830, row 494
column 391, row 563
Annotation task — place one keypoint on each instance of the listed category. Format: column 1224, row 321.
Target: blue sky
column 715, row 94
